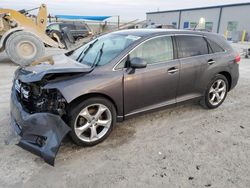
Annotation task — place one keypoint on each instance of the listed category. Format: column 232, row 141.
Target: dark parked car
column 115, row 77
column 76, row 30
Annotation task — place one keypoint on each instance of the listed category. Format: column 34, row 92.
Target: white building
column 220, row 19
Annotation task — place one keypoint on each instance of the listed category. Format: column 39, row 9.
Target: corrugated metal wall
column 240, row 14
column 210, row 15
column 233, row 18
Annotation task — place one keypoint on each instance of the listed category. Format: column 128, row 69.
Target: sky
column 127, row 9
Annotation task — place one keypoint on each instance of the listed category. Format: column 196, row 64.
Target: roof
column 201, row 8
column 150, row 32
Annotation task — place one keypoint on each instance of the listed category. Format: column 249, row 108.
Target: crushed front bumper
column 41, row 133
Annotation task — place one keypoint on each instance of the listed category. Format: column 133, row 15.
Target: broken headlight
column 49, row 100
column 23, row 90
column 36, row 99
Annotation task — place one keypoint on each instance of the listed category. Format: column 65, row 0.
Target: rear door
column 192, row 52
column 217, row 60
column 155, row 85
column 216, row 54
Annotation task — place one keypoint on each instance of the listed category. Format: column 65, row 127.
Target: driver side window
column 155, row 50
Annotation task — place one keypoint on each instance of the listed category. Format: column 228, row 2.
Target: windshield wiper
column 79, row 58
column 98, row 57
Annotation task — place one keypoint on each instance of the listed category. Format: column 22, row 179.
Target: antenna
column 202, row 22
column 195, row 26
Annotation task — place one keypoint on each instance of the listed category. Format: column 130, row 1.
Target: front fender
column 106, row 84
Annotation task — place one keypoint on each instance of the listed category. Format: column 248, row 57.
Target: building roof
column 200, row 8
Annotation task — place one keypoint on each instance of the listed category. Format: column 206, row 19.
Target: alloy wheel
column 217, row 92
column 93, row 122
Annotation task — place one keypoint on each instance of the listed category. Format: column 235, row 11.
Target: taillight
column 237, row 59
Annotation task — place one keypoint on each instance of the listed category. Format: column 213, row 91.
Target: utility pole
column 118, row 22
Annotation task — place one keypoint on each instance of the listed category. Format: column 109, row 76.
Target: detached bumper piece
column 41, row 133
column 44, row 137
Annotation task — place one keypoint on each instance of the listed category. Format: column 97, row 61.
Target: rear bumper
column 41, row 133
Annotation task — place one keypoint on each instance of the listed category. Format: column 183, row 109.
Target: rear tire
column 216, row 92
column 92, row 121
column 23, row 48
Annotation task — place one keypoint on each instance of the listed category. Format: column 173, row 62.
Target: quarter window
column 215, row 47
column 122, row 64
column 191, row 46
column 155, row 50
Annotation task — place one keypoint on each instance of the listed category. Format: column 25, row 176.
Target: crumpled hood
column 57, row 64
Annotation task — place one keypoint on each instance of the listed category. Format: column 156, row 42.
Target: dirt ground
column 183, row 146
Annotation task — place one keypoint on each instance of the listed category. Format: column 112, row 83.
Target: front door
column 153, row 86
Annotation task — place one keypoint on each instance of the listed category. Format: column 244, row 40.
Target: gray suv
column 113, row 78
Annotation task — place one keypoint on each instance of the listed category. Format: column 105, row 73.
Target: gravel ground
column 183, row 146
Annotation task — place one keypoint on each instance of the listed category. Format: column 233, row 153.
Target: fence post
column 243, row 36
column 226, row 34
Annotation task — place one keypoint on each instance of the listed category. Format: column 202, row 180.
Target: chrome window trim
column 171, row 35
column 189, row 34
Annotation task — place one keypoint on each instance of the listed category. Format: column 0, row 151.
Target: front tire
column 92, row 121
column 216, row 92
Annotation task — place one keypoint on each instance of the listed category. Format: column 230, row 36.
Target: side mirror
column 138, row 63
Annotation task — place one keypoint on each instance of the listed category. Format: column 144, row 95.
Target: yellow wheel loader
column 23, row 36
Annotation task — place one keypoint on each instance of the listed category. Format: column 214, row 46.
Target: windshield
column 103, row 49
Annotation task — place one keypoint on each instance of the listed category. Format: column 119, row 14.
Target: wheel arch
column 6, row 35
column 228, row 77
column 92, row 95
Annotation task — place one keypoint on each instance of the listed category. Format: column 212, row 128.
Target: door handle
column 173, row 70
column 210, row 62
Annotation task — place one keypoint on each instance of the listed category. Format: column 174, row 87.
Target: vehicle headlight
column 22, row 89
column 25, row 92
column 17, row 86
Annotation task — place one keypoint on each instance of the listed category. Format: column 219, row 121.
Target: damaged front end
column 37, row 116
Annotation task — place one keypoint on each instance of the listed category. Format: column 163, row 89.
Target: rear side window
column 189, row 46
column 155, row 50
column 215, row 48
column 81, row 27
column 69, row 26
